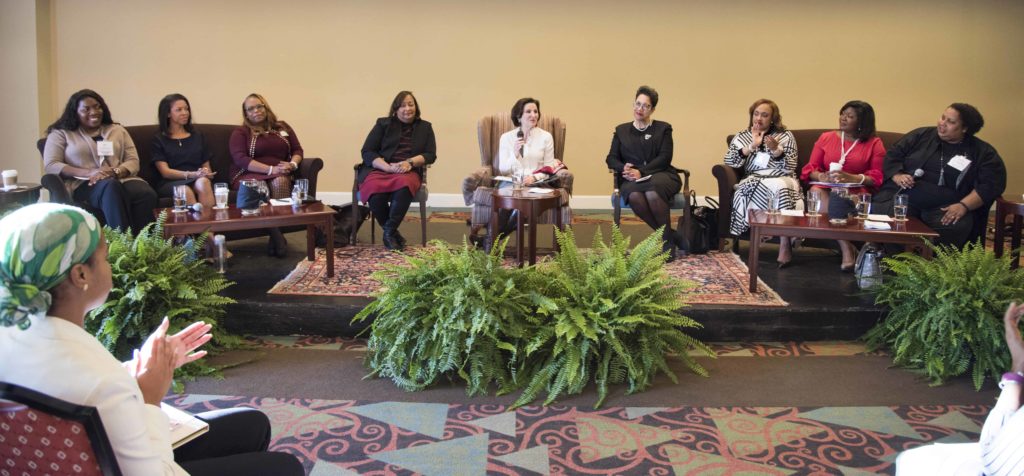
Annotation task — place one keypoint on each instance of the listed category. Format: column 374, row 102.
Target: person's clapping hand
column 153, row 365
column 188, row 340
column 1014, row 341
column 771, row 142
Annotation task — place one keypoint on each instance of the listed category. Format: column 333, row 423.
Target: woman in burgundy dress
column 267, row 149
column 395, row 156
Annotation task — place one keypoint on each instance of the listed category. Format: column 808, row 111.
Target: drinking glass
column 773, row 205
column 517, row 180
column 220, row 193
column 813, row 202
column 303, row 185
column 863, row 205
column 180, row 198
column 899, row 207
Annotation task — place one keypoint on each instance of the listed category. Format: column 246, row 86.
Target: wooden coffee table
column 530, row 206
column 25, row 194
column 908, row 233
column 312, row 215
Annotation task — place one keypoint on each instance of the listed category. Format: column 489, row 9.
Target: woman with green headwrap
column 53, row 271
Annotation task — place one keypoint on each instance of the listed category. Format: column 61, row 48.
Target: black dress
column 186, row 154
column 650, row 151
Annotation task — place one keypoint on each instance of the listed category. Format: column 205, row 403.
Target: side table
column 25, row 194
column 1005, row 209
column 530, row 207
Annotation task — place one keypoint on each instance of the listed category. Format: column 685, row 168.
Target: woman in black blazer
column 395, row 154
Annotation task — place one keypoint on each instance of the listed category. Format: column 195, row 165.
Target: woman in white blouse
column 526, row 152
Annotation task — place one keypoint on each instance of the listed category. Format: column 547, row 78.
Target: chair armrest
column 686, row 180
column 565, row 179
column 727, row 178
column 480, row 177
column 309, row 169
column 55, row 187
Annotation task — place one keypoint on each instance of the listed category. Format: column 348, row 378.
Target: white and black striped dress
column 761, row 184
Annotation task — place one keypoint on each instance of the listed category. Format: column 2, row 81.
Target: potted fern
column 945, row 314
column 154, row 277
column 611, row 315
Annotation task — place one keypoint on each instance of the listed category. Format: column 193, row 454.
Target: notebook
column 184, row 426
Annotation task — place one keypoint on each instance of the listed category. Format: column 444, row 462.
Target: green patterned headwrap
column 38, row 246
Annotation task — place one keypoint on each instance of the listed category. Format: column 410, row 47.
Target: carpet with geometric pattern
column 720, row 278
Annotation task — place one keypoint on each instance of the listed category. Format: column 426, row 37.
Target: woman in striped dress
column 766, row 152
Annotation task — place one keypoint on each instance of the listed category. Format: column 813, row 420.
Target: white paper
column 792, row 213
column 644, row 179
column 105, row 148
column 280, row 201
column 761, row 160
column 502, row 178
column 82, row 178
column 540, row 191
column 885, row 218
column 959, row 162
column 876, row 225
column 184, row 427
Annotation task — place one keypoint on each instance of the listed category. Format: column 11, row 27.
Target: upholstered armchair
column 477, row 187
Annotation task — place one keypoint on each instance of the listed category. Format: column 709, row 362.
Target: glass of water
column 517, row 180
column 899, row 207
column 773, row 205
column 863, row 205
column 303, row 186
column 220, row 193
column 813, row 202
column 180, row 198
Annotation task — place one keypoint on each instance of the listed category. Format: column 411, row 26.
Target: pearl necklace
column 644, row 128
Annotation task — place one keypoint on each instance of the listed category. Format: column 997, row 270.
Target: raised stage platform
column 824, row 304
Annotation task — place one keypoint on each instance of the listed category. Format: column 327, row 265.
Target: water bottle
column 218, row 242
column 869, row 268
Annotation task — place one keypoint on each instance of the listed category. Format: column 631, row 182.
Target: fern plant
column 945, row 314
column 153, row 278
column 610, row 315
column 449, row 311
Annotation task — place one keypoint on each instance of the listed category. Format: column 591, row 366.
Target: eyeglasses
column 257, row 107
column 640, row 105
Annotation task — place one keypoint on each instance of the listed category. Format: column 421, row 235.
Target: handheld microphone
column 519, row 134
column 197, row 207
column 918, row 173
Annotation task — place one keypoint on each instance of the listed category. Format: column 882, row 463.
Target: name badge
column 959, row 162
column 105, row 148
column 761, row 160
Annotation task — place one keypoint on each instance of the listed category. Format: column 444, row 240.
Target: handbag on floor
column 698, row 232
column 343, row 224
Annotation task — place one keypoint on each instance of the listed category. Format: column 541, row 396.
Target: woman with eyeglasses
column 98, row 162
column 641, row 154
column 766, row 152
column 265, row 148
column 44, row 347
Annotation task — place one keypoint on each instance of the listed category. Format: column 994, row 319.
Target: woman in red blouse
column 850, row 157
column 264, row 148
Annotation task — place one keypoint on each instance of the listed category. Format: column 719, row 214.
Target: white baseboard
column 454, row 200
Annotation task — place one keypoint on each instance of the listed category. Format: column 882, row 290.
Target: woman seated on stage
column 641, row 153
column 851, row 155
column 44, row 347
column 526, row 153
column 767, row 153
column 395, row 155
column 264, row 148
column 180, row 153
column 948, row 174
column 98, row 162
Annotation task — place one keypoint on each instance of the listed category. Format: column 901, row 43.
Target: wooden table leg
column 492, row 231
column 558, row 223
column 1015, row 242
column 533, row 234
column 1000, row 233
column 329, row 231
column 752, row 256
column 520, row 222
column 311, row 240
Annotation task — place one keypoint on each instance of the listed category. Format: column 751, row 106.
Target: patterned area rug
column 721, row 278
column 345, row 437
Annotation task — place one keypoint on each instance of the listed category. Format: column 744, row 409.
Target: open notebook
column 184, row 426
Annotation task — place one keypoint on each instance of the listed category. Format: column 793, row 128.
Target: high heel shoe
column 846, row 268
column 784, row 264
column 277, row 245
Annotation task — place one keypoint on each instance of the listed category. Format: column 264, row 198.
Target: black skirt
column 167, row 187
column 666, row 184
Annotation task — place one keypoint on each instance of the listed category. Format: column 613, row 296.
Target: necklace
column 179, row 142
column 641, row 129
column 843, row 152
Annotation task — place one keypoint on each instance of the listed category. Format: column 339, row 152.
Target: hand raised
column 771, row 142
column 154, row 365
column 188, row 340
column 1014, row 342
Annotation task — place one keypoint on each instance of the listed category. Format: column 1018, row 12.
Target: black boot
column 400, row 238
column 507, row 222
column 668, row 243
column 391, row 242
column 277, row 245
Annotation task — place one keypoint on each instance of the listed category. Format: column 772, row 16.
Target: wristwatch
column 1011, row 378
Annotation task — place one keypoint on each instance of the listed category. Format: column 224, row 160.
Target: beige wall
column 19, row 121
column 331, row 67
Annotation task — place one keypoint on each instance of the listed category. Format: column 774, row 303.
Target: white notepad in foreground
column 184, row 427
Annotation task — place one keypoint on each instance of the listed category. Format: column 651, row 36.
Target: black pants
column 390, row 208
column 125, row 205
column 956, row 234
column 235, row 445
